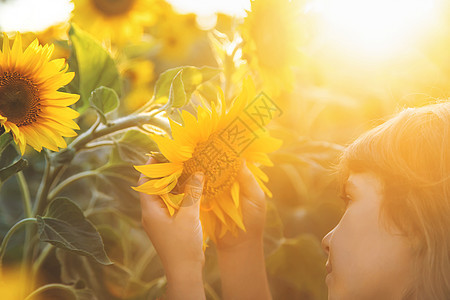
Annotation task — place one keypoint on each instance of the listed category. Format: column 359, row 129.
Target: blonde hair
column 411, row 154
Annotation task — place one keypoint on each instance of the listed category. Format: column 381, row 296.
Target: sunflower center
column 19, row 99
column 113, row 8
column 218, row 163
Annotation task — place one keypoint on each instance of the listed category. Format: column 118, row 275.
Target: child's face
column 365, row 259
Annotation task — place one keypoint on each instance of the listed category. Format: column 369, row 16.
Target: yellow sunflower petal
column 180, row 134
column 264, row 187
column 173, row 200
column 65, row 122
column 16, row 132
column 176, row 199
column 191, row 124
column 257, row 172
column 159, row 170
column 259, row 157
column 149, row 188
column 219, row 213
column 166, row 201
column 62, row 112
column 6, row 54
column 45, row 139
column 16, row 50
column 235, row 193
column 165, row 181
column 60, row 128
column 205, row 125
column 172, row 150
column 32, row 138
column 264, row 144
column 227, row 206
column 208, row 225
column 60, row 142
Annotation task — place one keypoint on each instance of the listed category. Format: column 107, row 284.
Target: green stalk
column 38, row 263
column 29, row 214
column 55, row 286
column 56, row 190
column 210, row 291
column 143, row 262
column 25, row 193
column 41, row 197
column 9, row 234
column 122, row 123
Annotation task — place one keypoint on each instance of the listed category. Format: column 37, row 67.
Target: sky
column 366, row 28
column 35, row 15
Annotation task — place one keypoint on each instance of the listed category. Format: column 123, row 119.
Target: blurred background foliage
column 330, row 83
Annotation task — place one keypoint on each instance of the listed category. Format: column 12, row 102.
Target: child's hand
column 178, row 239
column 253, row 203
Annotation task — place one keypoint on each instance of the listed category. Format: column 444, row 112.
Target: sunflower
column 177, row 34
column 31, row 107
column 117, row 21
column 208, row 144
column 273, row 33
column 55, row 34
column 139, row 74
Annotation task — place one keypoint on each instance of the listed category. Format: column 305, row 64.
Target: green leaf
column 191, row 78
column 116, row 179
column 70, row 292
column 104, row 100
column 9, row 171
column 177, row 95
column 93, row 66
column 139, row 49
column 5, row 140
column 133, row 146
column 65, row 226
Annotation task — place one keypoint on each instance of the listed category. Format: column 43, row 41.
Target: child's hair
column 410, row 153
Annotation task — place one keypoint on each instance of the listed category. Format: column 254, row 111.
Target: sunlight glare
column 375, row 27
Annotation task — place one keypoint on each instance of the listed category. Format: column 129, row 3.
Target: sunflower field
column 284, row 86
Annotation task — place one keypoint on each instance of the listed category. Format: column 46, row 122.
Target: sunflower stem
column 120, row 124
column 25, row 193
column 143, row 262
column 39, row 261
column 41, row 197
column 49, row 287
column 210, row 291
column 29, row 214
column 55, row 191
column 99, row 144
column 96, row 124
column 9, row 234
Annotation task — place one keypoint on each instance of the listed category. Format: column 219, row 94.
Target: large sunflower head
column 118, row 21
column 273, row 33
column 214, row 143
column 30, row 104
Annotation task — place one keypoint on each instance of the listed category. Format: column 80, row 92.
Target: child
column 393, row 241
